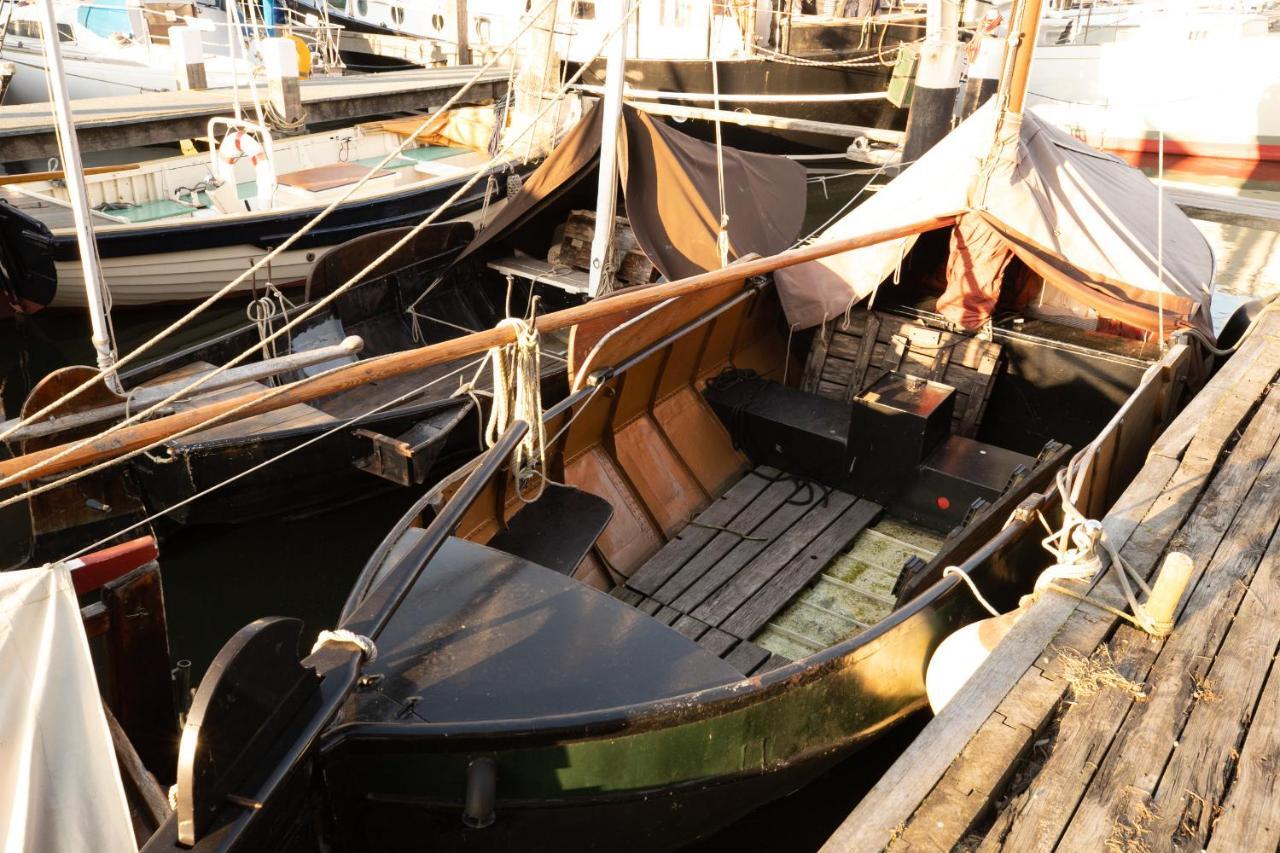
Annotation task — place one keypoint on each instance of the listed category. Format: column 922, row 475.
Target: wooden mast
column 26, row 468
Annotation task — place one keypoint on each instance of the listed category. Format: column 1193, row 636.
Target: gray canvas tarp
column 1085, row 221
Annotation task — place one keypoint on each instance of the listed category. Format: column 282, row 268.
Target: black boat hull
column 758, row 76
column 647, row 777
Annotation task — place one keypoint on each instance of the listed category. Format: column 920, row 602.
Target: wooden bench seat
column 743, row 559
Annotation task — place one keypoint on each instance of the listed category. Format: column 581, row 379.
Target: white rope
column 343, row 637
column 317, row 306
column 517, row 395
column 956, row 571
column 283, row 247
column 722, row 238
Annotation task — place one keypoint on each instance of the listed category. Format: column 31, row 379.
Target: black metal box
column 959, row 472
column 893, row 426
column 798, row 432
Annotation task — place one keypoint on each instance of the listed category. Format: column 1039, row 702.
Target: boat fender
column 237, row 145
column 482, row 787
column 960, row 655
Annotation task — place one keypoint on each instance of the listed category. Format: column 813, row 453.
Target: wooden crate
column 845, row 360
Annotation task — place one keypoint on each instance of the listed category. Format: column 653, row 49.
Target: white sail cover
column 1080, row 217
column 60, row 787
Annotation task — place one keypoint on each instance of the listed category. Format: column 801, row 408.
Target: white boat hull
column 1217, row 96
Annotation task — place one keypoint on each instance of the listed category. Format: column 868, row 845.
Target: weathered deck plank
column 1187, row 496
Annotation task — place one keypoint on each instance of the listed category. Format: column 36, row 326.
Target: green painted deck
column 1181, row 751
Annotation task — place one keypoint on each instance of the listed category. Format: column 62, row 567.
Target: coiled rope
column 517, row 395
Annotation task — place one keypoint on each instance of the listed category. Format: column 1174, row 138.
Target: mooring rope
column 517, row 395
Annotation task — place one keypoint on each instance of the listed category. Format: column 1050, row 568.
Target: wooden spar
column 148, row 395
column 28, row 467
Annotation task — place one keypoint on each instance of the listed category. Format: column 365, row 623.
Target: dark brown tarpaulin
column 573, row 157
column 671, row 190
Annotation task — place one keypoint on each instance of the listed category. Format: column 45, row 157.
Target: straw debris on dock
column 1081, row 732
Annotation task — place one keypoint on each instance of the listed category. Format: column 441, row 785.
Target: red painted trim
column 92, row 571
column 1249, row 151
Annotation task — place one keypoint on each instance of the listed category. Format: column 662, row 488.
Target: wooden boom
column 23, row 469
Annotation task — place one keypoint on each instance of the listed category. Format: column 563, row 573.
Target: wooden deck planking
column 659, row 568
column 716, row 605
column 1087, row 731
column 747, row 609
column 761, row 520
column 1160, row 769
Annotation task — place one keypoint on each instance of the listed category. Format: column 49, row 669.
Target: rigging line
column 264, row 463
column 355, row 279
column 271, row 255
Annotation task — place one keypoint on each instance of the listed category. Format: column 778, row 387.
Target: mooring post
column 187, row 46
column 280, row 59
column 937, row 80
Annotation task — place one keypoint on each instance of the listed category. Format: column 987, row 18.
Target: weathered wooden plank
column 746, row 657
column 694, row 537
column 667, row 615
column 717, row 642
column 690, row 627
column 1251, row 814
column 862, row 358
column 814, row 364
column 743, row 617
column 1225, row 541
column 761, row 569
column 900, row 790
column 774, row 661
column 1242, row 378
column 138, row 664
column 1192, row 786
column 628, row 595
column 650, row 606
column 767, row 517
column 983, row 768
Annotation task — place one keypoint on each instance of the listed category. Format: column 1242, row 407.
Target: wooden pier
column 1081, row 732
column 26, row 130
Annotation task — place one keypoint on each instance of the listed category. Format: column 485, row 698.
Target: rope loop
column 517, row 395
column 347, row 638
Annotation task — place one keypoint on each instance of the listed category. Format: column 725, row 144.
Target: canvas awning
column 1082, row 219
column 671, row 187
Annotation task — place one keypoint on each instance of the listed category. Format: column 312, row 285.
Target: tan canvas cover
column 671, row 190
column 1083, row 219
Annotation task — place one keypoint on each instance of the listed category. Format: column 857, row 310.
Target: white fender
column 960, row 655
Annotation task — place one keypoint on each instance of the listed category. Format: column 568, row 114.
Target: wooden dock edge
column 953, row 772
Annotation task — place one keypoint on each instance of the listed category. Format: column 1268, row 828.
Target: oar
column 23, row 469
